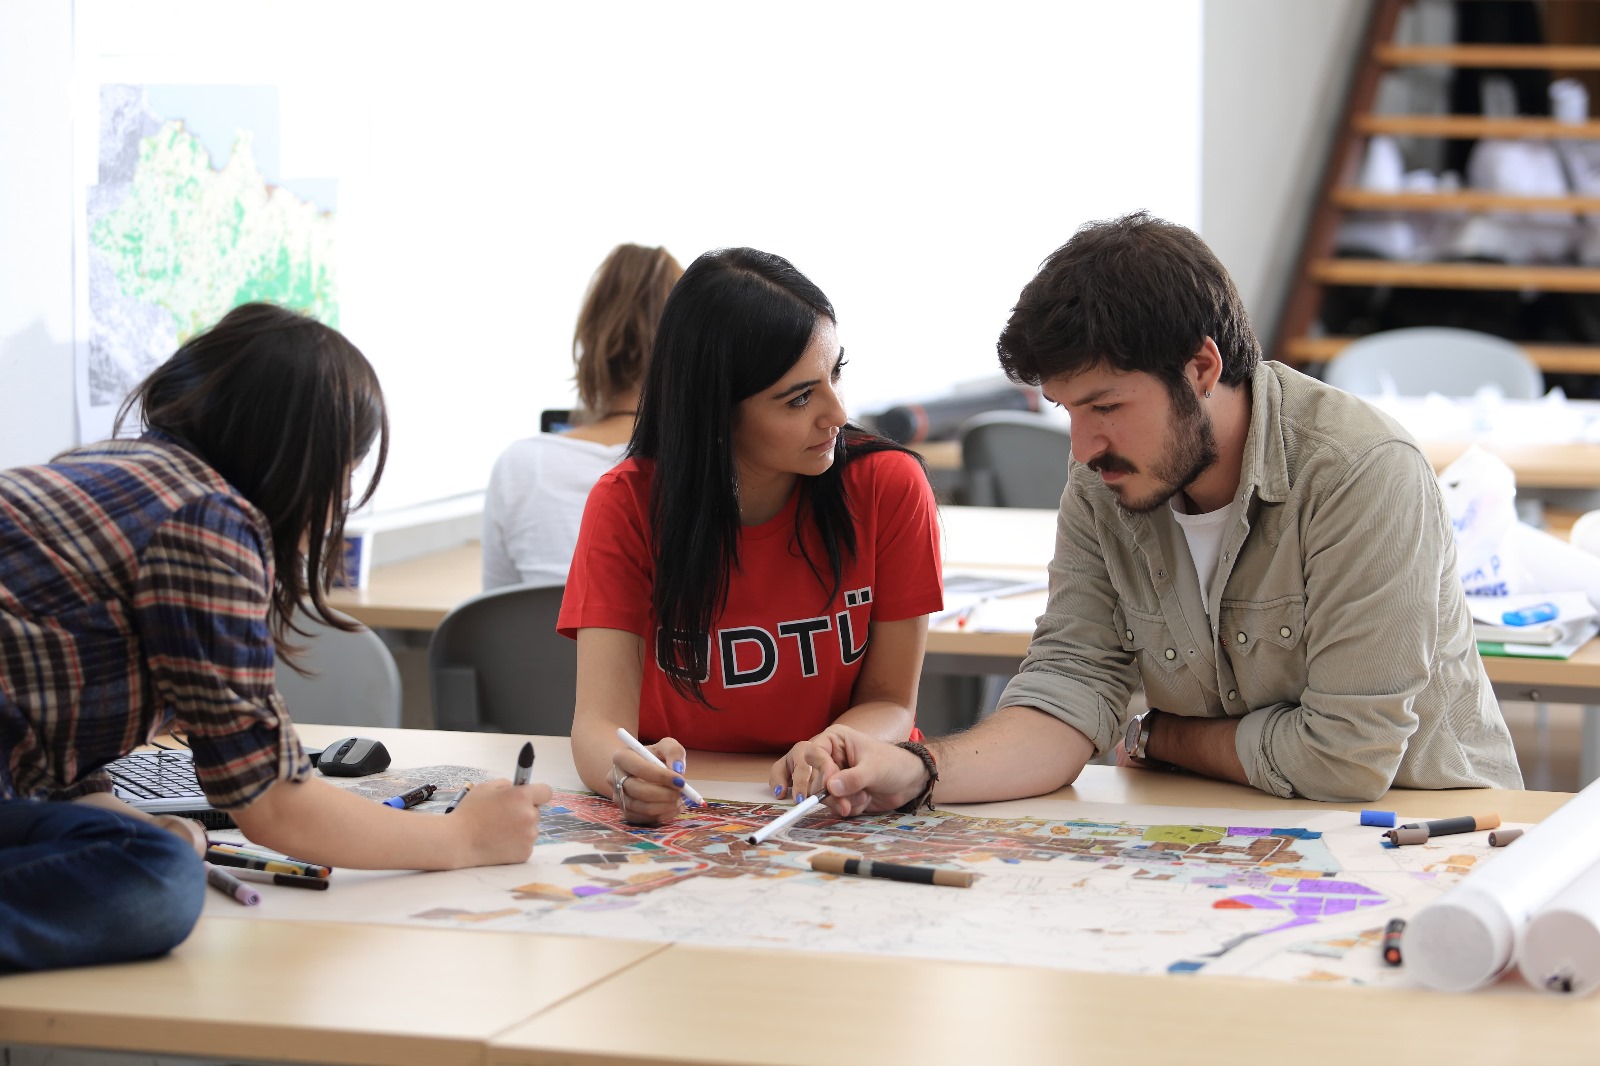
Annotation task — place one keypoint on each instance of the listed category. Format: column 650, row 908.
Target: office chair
column 353, row 679
column 497, row 664
column 1451, row 362
column 1014, row 459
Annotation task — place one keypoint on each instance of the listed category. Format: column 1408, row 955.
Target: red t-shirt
column 782, row 662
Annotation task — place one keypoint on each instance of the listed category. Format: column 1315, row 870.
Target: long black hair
column 281, row 406
column 735, row 323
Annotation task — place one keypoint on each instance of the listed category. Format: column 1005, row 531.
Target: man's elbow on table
column 1285, row 762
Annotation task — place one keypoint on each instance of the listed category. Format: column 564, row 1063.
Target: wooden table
column 367, row 994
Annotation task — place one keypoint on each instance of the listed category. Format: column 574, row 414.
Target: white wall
column 1275, row 76
column 36, row 409
column 916, row 160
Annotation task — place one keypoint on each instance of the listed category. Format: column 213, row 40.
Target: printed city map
column 1302, row 895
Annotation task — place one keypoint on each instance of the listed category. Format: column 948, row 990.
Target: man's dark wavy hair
column 1134, row 293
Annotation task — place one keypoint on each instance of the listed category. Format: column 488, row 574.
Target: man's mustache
column 1111, row 461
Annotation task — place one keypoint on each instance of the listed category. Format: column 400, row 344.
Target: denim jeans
column 80, row 885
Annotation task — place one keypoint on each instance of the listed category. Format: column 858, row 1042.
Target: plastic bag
column 1480, row 492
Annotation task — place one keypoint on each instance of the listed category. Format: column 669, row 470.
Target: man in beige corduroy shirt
column 1269, row 556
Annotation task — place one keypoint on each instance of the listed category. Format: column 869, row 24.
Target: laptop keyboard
column 157, row 775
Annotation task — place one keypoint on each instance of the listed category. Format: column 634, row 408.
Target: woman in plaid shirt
column 148, row 583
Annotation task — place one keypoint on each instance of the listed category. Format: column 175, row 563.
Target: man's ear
column 1205, row 366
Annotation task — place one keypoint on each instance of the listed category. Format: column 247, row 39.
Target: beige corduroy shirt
column 1339, row 634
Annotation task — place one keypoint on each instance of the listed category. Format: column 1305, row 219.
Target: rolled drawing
column 1468, row 936
column 1561, row 949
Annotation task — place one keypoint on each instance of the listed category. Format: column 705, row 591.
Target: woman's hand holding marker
column 647, row 782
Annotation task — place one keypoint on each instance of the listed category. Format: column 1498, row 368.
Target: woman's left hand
column 805, row 769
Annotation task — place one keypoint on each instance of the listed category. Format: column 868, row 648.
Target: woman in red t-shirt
column 756, row 569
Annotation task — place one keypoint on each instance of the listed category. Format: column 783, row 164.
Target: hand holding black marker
column 524, row 772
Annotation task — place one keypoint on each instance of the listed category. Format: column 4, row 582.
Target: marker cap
column 1385, row 819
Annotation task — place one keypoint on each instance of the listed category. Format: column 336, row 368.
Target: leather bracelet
column 929, row 763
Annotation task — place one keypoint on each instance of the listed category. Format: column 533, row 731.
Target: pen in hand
column 693, row 798
column 524, row 772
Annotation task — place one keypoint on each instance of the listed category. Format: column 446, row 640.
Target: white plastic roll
column 1468, row 937
column 1561, row 949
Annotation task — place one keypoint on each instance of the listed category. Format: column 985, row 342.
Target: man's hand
column 873, row 775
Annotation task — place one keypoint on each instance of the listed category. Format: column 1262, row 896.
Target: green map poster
column 189, row 216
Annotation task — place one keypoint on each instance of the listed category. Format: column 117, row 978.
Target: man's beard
column 1192, row 449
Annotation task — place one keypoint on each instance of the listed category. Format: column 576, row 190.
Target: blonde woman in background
column 538, row 487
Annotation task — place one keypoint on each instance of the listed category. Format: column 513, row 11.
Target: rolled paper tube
column 1561, row 949
column 1467, row 937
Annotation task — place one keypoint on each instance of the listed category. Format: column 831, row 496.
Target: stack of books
column 1554, row 625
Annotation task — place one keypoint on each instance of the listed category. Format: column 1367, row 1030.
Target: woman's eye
column 838, row 371
column 801, row 400
column 1104, row 409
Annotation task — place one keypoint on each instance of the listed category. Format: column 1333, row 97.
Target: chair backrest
column 353, row 679
column 1451, row 362
column 497, row 663
column 1014, row 459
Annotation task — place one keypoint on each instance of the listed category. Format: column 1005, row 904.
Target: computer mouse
column 354, row 757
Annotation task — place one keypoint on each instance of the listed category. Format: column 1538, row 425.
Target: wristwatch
column 1136, row 741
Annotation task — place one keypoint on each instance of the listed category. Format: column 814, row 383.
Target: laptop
column 164, row 782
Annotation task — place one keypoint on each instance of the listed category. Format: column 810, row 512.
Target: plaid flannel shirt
column 135, row 585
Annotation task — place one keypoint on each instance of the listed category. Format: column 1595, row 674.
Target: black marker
column 412, row 798
column 524, row 772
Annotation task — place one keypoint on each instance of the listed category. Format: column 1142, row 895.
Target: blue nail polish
column 677, row 782
column 678, row 766
column 778, row 791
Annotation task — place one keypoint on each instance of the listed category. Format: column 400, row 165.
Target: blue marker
column 1532, row 615
column 1385, row 819
column 412, row 798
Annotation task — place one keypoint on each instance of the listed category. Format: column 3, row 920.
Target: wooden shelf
column 1471, row 127
column 1551, row 358
column 1318, row 266
column 1466, row 201
column 1553, row 57
column 1453, row 275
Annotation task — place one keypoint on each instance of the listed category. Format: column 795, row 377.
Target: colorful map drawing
column 1196, row 892
column 179, row 230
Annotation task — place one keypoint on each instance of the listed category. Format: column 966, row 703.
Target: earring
column 1208, row 394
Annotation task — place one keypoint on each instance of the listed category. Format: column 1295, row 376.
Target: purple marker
column 222, row 880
